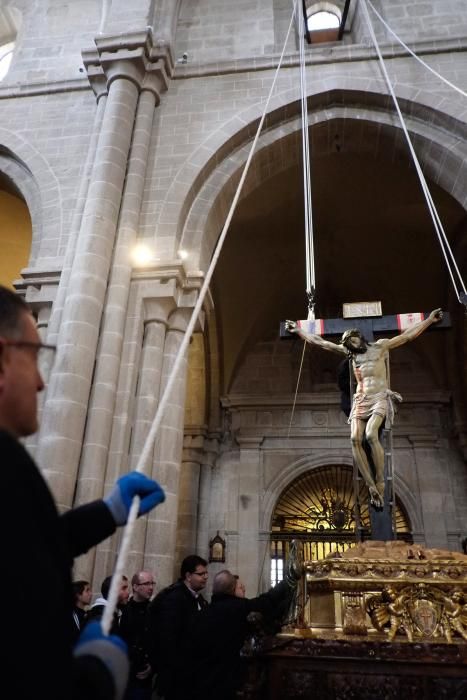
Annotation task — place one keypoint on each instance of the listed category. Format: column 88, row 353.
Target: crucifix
column 373, row 404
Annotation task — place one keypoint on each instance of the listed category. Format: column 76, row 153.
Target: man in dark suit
column 38, row 655
column 171, row 615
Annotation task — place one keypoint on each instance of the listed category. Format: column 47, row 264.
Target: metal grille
column 319, row 509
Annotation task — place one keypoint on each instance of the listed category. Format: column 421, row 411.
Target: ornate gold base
column 391, row 589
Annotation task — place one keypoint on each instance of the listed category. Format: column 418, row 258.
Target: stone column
column 204, row 533
column 99, row 85
column 65, row 411
column 188, row 494
column 165, row 21
column 147, row 400
column 248, row 560
column 162, row 521
column 156, row 312
column 432, row 492
column 103, row 394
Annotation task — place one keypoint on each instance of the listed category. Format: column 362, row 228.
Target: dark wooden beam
column 305, row 20
column 344, row 19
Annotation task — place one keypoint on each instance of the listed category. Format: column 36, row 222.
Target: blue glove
column 111, row 652
column 127, row 487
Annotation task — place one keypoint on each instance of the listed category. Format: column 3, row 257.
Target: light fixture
column 142, row 255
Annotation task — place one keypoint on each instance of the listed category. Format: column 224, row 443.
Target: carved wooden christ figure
column 373, row 401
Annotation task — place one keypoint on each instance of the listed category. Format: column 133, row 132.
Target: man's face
column 354, row 342
column 124, row 593
column 240, row 589
column 85, row 597
column 20, row 381
column 145, row 588
column 198, row 579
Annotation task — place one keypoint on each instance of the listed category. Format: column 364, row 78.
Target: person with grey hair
column 373, row 401
column 220, row 630
column 40, row 658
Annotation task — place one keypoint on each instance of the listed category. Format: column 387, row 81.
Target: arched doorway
column 318, row 508
column 15, row 232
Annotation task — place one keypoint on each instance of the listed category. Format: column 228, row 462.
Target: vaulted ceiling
column 374, row 240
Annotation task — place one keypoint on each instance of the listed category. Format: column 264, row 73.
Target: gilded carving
column 419, row 612
column 409, row 591
column 354, row 615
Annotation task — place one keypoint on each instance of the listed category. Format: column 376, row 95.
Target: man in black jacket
column 38, row 656
column 171, row 614
column 219, row 632
column 82, row 594
column 134, row 629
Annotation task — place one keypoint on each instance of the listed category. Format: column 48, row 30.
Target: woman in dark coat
column 219, row 632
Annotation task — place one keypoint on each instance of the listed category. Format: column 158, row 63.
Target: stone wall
column 184, row 156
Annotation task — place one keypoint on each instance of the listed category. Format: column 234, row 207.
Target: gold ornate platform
column 389, row 589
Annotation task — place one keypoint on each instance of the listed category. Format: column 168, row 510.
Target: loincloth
column 381, row 404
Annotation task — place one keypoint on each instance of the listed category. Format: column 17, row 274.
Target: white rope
column 309, row 243
column 309, row 246
column 443, row 241
column 149, row 443
column 296, row 389
column 420, row 60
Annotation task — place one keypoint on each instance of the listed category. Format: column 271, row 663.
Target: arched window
column 327, row 20
column 323, row 20
column 10, row 22
column 318, row 508
column 6, row 54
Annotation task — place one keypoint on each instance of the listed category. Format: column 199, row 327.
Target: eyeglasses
column 44, row 353
column 201, row 573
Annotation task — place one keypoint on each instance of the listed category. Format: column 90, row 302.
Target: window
column 323, row 20
column 328, row 20
column 6, row 54
column 10, row 23
column 319, row 509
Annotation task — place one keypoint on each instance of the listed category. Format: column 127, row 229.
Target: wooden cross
column 381, row 518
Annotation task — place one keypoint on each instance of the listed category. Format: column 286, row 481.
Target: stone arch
column 33, row 177
column 304, row 464
column 208, row 213
column 203, row 181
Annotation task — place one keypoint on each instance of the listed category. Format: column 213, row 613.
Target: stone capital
column 247, row 442
column 130, row 57
column 193, row 444
column 157, row 309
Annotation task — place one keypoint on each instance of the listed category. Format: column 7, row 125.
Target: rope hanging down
column 453, row 269
column 149, row 443
column 309, row 238
column 417, row 58
column 309, row 246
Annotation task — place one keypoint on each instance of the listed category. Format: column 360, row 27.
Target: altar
column 383, row 620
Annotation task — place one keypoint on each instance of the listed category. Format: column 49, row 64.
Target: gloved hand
column 110, row 650
column 127, row 487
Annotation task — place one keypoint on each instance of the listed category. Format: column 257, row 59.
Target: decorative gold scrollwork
column 419, row 611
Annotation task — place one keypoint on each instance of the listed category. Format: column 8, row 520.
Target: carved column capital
column 157, row 309
column 131, row 57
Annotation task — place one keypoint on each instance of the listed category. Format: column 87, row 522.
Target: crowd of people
column 179, row 645
column 56, row 646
